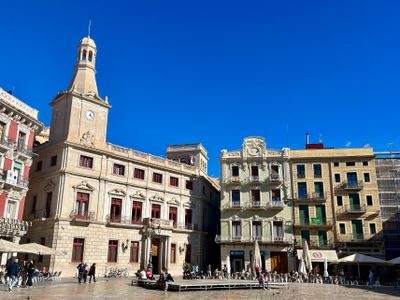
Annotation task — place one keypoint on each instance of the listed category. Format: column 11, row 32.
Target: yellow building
column 335, row 197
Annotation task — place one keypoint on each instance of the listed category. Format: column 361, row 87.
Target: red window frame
column 138, row 173
column 137, row 212
column 174, row 181
column 82, row 199
column 157, row 177
column 77, row 250
column 116, row 209
column 119, row 169
column 134, row 257
column 155, row 211
column 173, row 213
column 112, row 251
column 189, row 185
column 172, row 258
column 86, row 161
column 188, row 218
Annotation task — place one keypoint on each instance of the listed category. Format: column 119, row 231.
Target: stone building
column 336, row 204
column 388, row 176
column 93, row 201
column 255, row 188
column 18, row 126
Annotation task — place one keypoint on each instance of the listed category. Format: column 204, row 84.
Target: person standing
column 85, row 272
column 30, row 269
column 92, row 273
column 12, row 274
column 371, row 278
column 81, row 270
column 209, row 271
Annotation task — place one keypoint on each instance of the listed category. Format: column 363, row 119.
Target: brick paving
column 121, row 289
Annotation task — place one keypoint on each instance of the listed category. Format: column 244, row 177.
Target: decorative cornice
column 84, row 186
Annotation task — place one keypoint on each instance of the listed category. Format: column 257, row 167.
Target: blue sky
column 217, row 71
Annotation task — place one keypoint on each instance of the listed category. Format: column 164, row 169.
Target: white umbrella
column 7, row 246
column 362, row 259
column 228, row 266
column 307, row 256
column 326, row 274
column 35, row 248
column 257, row 256
column 395, row 261
column 302, row 267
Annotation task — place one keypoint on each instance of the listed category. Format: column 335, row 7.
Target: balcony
column 158, row 223
column 316, row 244
column 310, row 197
column 352, row 237
column 256, row 204
column 274, row 179
column 301, row 175
column 276, row 204
column 13, row 227
column 314, row 222
column 24, row 151
column 237, row 238
column 6, row 143
column 353, row 209
column 118, row 220
column 235, row 180
column 12, row 180
column 82, row 216
column 235, row 204
column 255, row 180
column 351, row 185
column 186, row 226
column 318, row 196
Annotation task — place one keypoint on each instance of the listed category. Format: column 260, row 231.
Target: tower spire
column 90, row 24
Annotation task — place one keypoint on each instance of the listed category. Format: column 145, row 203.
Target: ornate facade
column 255, row 188
column 94, row 201
column 18, row 126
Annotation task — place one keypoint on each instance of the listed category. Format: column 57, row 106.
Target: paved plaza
column 121, row 289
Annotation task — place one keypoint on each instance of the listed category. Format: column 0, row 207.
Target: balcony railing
column 82, row 216
column 234, row 180
column 24, row 149
column 256, row 204
column 318, row 196
column 301, row 175
column 235, row 204
column 6, row 142
column 154, row 222
column 315, row 196
column 13, row 227
column 19, row 182
column 276, row 204
column 275, row 178
column 353, row 209
column 251, row 239
column 254, row 179
column 325, row 244
column 237, row 238
column 314, row 222
column 351, row 185
column 39, row 214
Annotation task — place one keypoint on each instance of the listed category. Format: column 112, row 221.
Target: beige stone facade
column 103, row 203
column 255, row 189
column 336, row 204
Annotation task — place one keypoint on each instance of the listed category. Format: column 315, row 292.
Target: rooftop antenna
column 90, row 24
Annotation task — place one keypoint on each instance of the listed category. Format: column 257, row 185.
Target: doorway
column 279, row 262
column 155, row 255
column 237, row 261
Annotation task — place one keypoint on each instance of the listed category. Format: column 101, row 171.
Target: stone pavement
column 121, row 289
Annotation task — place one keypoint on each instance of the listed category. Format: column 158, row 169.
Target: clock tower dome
column 80, row 114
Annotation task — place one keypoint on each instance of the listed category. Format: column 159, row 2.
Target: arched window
column 84, row 55
column 90, row 55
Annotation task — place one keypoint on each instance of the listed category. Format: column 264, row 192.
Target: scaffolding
column 388, row 179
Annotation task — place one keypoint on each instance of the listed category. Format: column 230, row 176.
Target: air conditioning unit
column 12, row 177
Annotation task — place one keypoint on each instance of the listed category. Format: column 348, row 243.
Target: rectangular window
column 119, row 170
column 278, row 230
column 174, row 181
column 254, row 170
column 339, row 201
column 372, row 228
column 236, row 229
column 188, row 218
column 77, row 250
column 189, row 185
column 337, row 177
column 317, row 171
column 116, row 209
column 53, row 160
column 86, row 161
column 369, row 200
column 350, row 164
column 34, row 200
column 172, row 258
column 188, row 253
column 21, row 139
column 112, row 251
column 365, row 163
column 276, row 195
column 81, row 205
column 157, row 177
column 134, row 257
column 39, row 166
column 255, row 195
column 302, row 190
column 3, row 136
column 48, row 203
column 173, row 213
column 342, row 228
column 236, row 196
column 235, row 171
column 136, row 212
column 336, row 164
column 256, row 229
column 155, row 211
column 138, row 174
column 301, row 171
column 366, row 177
column 319, row 190
column 275, row 170
column 42, row 242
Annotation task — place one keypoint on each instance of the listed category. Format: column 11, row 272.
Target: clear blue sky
column 217, row 71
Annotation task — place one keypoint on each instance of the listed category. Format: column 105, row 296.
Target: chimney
column 307, row 138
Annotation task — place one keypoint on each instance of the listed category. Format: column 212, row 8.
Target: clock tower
column 79, row 114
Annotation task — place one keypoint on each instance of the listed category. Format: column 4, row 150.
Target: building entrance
column 155, row 255
column 279, row 262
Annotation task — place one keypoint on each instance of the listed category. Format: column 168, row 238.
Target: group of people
column 15, row 274
column 162, row 282
column 84, row 270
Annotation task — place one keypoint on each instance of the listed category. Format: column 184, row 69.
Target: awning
column 320, row 255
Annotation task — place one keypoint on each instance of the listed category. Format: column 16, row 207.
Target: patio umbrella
column 35, row 248
column 326, row 274
column 257, row 256
column 228, row 266
column 307, row 257
column 395, row 261
column 302, row 266
column 7, row 246
column 362, row 259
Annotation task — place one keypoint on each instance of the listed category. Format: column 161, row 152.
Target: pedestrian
column 30, row 269
column 12, row 273
column 164, row 279
column 92, row 273
column 85, row 272
column 81, row 270
column 225, row 271
column 258, row 271
column 209, row 271
column 371, row 278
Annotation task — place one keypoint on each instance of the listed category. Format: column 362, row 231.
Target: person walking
column 85, row 272
column 371, row 278
column 92, row 273
column 30, row 269
column 12, row 274
column 81, row 270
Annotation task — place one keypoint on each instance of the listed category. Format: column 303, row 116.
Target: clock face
column 90, row 115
